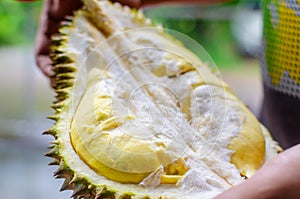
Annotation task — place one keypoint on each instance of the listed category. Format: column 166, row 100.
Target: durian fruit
column 138, row 115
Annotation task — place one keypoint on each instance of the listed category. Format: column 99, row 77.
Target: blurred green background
column 230, row 33
column 18, row 22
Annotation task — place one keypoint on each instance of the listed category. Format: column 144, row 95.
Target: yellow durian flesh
column 122, row 158
column 197, row 138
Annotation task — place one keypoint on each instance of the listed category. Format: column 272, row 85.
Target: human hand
column 278, row 178
column 53, row 13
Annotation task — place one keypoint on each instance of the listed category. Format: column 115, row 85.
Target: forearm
column 279, row 178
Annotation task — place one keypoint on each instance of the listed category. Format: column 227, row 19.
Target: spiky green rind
column 63, row 68
column 54, row 117
column 65, row 72
column 61, row 59
column 58, row 105
column 63, row 83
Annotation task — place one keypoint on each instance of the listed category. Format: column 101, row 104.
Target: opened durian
column 140, row 116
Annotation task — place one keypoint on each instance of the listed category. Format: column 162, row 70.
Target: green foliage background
column 18, row 21
column 214, row 36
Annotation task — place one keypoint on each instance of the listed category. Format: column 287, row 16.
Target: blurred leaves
column 214, row 35
column 18, row 22
column 209, row 26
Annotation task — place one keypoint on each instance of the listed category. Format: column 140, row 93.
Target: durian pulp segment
column 150, row 110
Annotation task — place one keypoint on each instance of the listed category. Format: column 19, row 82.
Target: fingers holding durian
column 52, row 15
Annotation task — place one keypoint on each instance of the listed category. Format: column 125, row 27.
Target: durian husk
column 251, row 147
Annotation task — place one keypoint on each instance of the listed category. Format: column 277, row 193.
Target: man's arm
column 279, row 178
